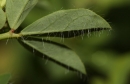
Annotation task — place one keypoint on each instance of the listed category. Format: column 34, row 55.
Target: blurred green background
column 106, row 54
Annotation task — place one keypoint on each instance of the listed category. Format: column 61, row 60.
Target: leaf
column 55, row 52
column 2, row 18
column 17, row 10
column 2, row 3
column 4, row 79
column 67, row 23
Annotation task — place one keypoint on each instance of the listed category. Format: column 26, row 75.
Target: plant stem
column 9, row 35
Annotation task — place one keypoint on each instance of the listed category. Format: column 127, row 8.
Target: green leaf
column 4, row 79
column 69, row 23
column 2, row 3
column 55, row 52
column 17, row 10
column 2, row 18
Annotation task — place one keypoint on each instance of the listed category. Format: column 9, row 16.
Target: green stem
column 9, row 35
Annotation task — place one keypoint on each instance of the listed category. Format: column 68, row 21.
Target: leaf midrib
column 52, row 57
column 50, row 25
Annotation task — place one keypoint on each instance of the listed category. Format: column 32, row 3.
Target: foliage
column 62, row 24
